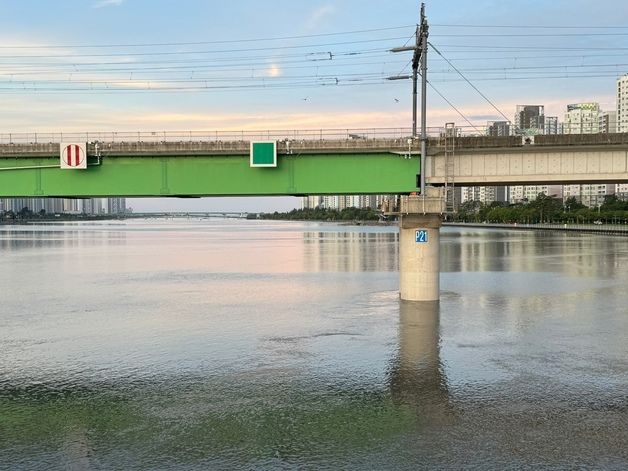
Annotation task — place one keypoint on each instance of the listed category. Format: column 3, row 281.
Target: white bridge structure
column 552, row 159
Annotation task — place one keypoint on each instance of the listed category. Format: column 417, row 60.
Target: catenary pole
column 423, row 42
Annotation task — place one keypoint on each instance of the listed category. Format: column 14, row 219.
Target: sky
column 155, row 65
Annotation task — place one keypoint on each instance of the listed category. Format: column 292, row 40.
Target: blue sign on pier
column 421, row 236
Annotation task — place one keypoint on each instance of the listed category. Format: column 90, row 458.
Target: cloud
column 318, row 16
column 107, row 3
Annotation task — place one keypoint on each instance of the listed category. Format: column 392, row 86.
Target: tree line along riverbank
column 324, row 214
column 544, row 209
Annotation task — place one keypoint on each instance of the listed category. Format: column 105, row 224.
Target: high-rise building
column 621, row 190
column 116, row 205
column 498, row 128
column 341, row 202
column 90, row 206
column 329, row 202
column 582, row 118
column 347, row 201
column 622, row 104
column 590, row 195
column 525, row 193
column 608, row 122
column 484, row 194
column 585, row 118
column 72, row 206
column 310, row 202
column 530, row 120
column 552, row 126
column 37, row 205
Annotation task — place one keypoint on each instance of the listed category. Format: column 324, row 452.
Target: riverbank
column 62, row 218
column 611, row 229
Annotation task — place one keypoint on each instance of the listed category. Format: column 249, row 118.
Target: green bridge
column 211, row 168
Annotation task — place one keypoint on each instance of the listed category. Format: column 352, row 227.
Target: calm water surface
column 222, row 344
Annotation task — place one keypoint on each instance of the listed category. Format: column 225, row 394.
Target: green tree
column 547, row 207
column 612, row 203
column 572, row 204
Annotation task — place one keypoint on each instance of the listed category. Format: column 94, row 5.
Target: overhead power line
column 252, row 68
column 469, row 82
column 217, row 51
column 537, row 77
column 204, row 43
column 197, row 79
column 527, row 35
column 208, row 88
column 528, row 26
column 315, row 60
column 542, row 67
column 452, row 105
column 526, row 48
column 535, row 57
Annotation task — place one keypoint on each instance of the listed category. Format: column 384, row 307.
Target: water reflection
column 469, row 250
column 14, row 238
column 416, row 376
column 351, row 251
column 260, row 416
column 256, row 346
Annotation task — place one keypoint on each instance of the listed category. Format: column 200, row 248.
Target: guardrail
column 195, row 136
column 466, row 138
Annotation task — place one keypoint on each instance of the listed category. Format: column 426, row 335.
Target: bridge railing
column 191, row 136
column 179, row 136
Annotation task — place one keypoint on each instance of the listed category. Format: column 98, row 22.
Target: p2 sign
column 421, row 236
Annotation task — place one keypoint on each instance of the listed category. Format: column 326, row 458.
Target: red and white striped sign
column 73, row 156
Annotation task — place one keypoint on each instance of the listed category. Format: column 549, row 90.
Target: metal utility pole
column 416, row 58
column 423, row 44
column 419, row 59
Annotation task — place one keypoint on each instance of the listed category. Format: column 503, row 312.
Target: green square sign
column 264, row 154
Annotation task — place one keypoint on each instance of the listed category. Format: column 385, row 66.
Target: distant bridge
column 197, row 214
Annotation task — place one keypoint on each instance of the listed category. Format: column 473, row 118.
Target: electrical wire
column 221, row 88
column 535, row 57
column 526, row 35
column 543, row 67
column 441, row 25
column 469, row 82
column 217, row 51
column 452, row 105
column 527, row 48
column 305, row 56
column 204, row 43
column 545, row 77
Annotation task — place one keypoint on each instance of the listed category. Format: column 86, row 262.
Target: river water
column 217, row 344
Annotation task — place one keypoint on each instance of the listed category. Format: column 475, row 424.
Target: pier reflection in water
column 261, row 416
column 417, row 378
column 246, row 344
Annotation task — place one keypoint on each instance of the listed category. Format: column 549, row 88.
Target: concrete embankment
column 608, row 229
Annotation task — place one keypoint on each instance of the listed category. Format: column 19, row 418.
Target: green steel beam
column 210, row 175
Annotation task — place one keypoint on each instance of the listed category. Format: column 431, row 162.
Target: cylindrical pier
column 419, row 252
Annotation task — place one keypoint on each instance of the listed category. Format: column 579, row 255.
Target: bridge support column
column 419, row 247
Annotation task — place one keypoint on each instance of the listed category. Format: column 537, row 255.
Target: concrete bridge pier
column 419, row 246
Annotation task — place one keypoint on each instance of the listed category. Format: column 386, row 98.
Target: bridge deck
column 309, row 166
column 210, row 168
